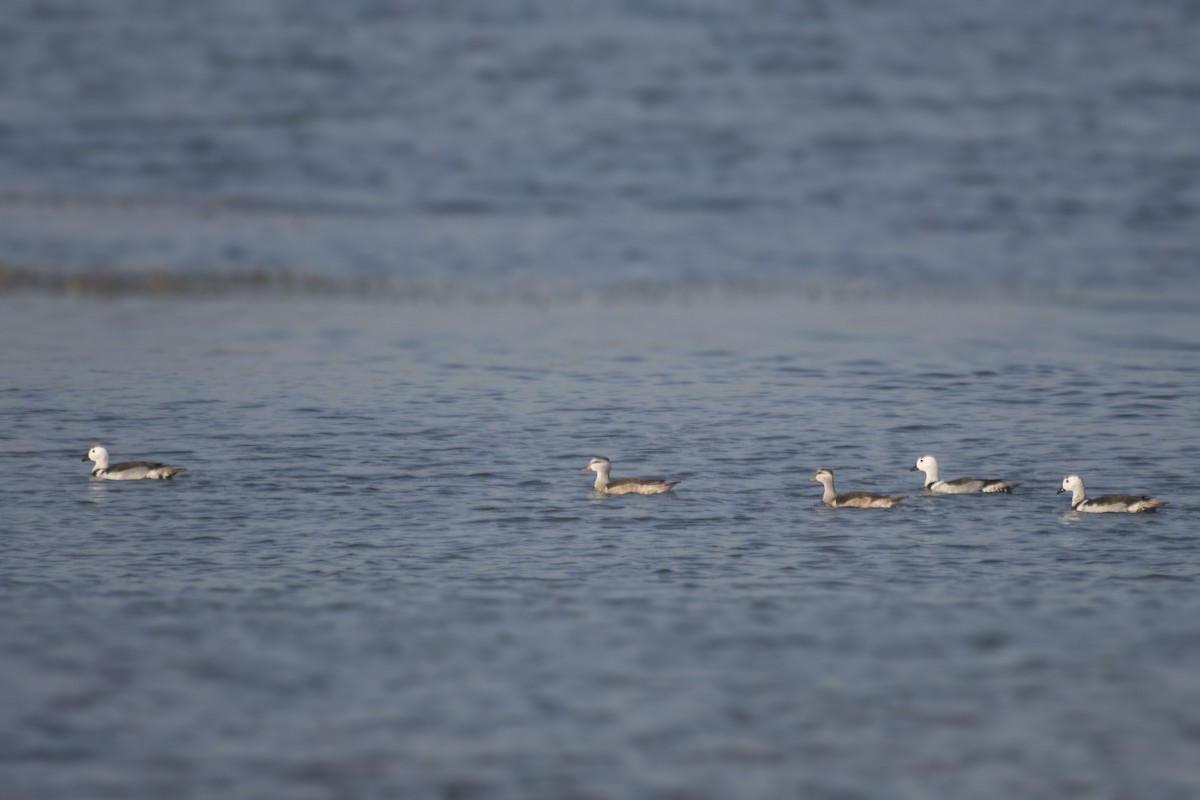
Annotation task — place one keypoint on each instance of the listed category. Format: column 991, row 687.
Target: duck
column 1108, row 503
column 128, row 470
column 852, row 499
column 929, row 465
column 605, row 485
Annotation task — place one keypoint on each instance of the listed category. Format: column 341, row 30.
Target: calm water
column 382, row 277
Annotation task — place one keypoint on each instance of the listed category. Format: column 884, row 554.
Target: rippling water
column 383, row 276
column 383, row 573
column 544, row 141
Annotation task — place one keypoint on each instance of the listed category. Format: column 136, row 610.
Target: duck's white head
column 597, row 464
column 97, row 454
column 1071, row 483
column 925, row 463
column 823, row 475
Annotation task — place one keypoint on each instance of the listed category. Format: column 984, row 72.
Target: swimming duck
column 604, row 485
column 128, row 470
column 1109, row 502
column 929, row 465
column 852, row 499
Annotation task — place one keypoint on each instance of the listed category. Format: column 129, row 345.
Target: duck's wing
column 958, row 486
column 129, row 465
column 1130, row 502
column 866, row 500
column 639, row 486
column 966, row 485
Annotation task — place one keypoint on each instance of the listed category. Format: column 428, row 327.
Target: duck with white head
column 128, row 470
column 1128, row 503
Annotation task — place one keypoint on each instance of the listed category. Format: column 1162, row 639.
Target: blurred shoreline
column 267, row 283
column 282, row 285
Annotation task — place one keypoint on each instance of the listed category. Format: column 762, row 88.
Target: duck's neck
column 1077, row 496
column 931, row 474
column 829, row 493
column 101, row 462
column 601, row 478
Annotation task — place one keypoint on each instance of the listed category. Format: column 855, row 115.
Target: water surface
column 383, row 573
column 384, row 276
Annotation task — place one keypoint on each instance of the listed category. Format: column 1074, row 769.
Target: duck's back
column 137, row 470
column 972, row 485
column 865, row 500
column 639, row 486
column 1120, row 502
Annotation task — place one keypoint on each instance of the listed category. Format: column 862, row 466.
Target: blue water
column 540, row 141
column 383, row 277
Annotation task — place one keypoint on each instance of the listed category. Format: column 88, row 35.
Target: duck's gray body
column 1109, row 503
column 929, row 465
column 128, row 470
column 852, row 499
column 605, row 485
